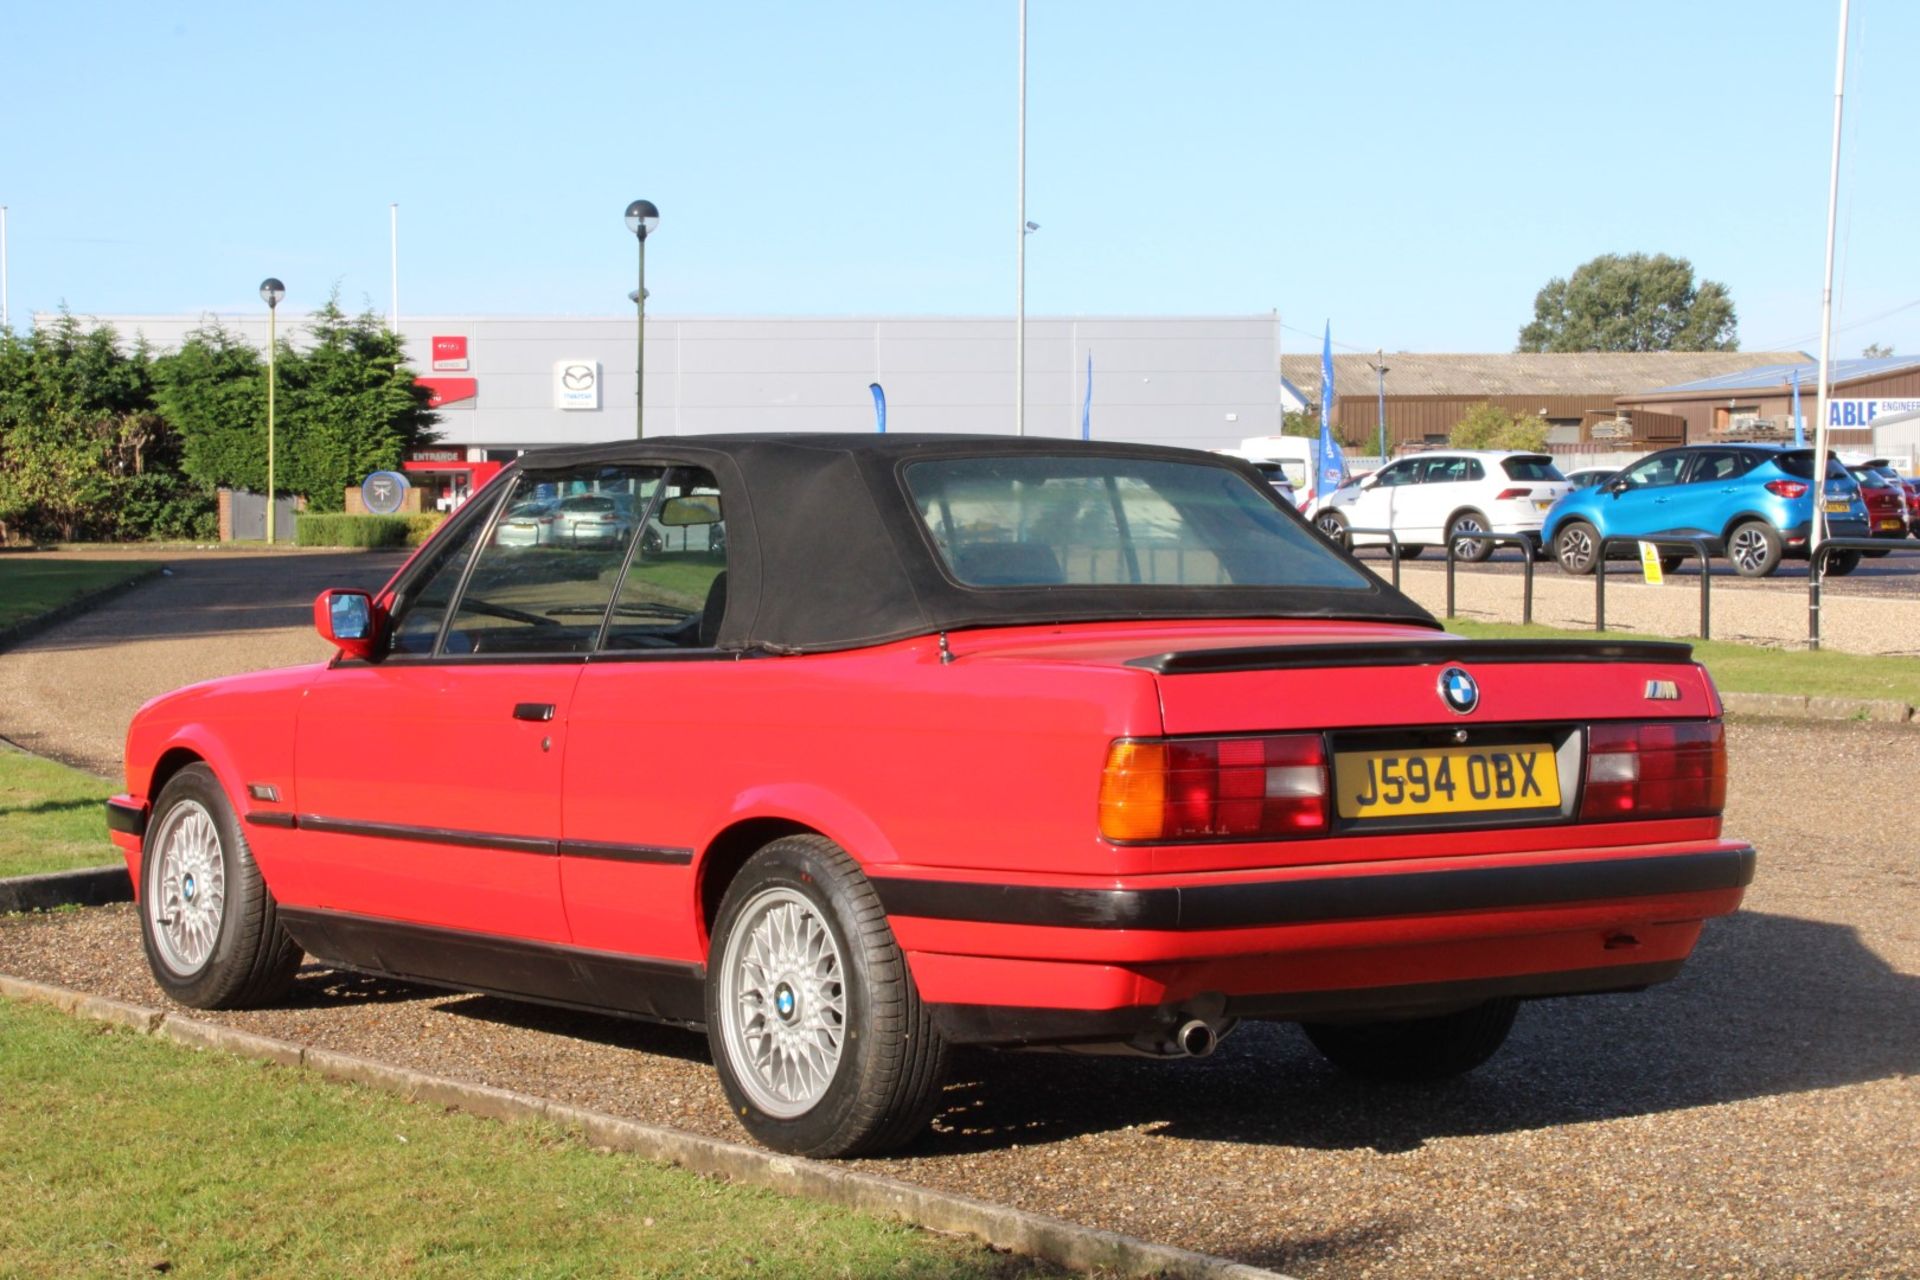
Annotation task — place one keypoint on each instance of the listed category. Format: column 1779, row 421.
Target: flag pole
column 1826, row 317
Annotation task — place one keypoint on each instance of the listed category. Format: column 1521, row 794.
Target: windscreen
column 1036, row 520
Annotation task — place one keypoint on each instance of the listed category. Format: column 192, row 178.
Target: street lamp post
column 1380, row 367
column 271, row 291
column 642, row 218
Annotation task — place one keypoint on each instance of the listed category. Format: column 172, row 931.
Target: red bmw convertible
column 851, row 749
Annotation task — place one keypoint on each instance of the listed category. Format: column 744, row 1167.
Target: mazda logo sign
column 577, row 377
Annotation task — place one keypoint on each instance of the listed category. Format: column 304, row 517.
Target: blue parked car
column 1754, row 501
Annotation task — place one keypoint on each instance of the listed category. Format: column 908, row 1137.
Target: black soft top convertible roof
column 826, row 551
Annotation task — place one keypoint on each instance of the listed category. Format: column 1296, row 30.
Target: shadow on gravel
column 1769, row 1005
column 621, row 1033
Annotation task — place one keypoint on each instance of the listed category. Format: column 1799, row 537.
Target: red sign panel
column 442, row 392
column 449, row 352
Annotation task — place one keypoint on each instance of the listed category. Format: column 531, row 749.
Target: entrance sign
column 576, row 384
column 384, row 492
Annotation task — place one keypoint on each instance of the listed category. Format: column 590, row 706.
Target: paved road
column 1891, row 576
column 70, row 691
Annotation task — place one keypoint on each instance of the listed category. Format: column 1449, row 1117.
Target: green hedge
column 312, row 530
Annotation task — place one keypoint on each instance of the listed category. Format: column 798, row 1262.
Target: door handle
column 537, row 711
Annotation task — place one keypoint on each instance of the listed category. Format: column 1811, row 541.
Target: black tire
column 1416, row 1049
column 241, row 957
column 1333, row 527
column 650, row 542
column 1842, row 563
column 1576, row 545
column 1465, row 547
column 1411, row 550
column 1754, row 548
column 1670, row 563
column 1871, row 555
column 891, row 1062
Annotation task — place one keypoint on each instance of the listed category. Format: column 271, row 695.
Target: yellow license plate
column 1838, row 504
column 1407, row 784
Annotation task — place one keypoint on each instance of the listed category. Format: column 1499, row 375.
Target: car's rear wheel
column 1670, row 563
column 1842, row 563
column 1435, row 1048
column 1411, row 550
column 1754, row 548
column 1577, row 547
column 212, row 930
column 1460, row 533
column 1333, row 527
column 821, row 1040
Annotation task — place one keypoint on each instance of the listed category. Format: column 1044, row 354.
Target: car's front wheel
column 211, row 929
column 1754, row 548
column 1410, row 550
column 821, row 1040
column 1435, row 1048
column 1333, row 527
column 1577, row 547
column 1842, row 563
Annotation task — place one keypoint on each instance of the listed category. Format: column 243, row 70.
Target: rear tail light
column 1787, row 488
column 1659, row 770
column 1508, row 495
column 1207, row 788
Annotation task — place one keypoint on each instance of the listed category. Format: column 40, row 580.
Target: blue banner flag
column 879, row 406
column 1330, row 465
column 1086, row 405
column 1799, row 431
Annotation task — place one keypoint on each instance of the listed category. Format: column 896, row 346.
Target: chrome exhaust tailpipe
column 1195, row 1038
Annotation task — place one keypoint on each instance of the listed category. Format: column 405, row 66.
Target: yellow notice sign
column 1650, row 564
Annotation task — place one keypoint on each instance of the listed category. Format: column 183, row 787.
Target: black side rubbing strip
column 625, row 852
column 267, row 818
column 425, row 835
column 1409, row 653
column 1273, row 902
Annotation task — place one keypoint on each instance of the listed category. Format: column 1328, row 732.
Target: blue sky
column 1415, row 172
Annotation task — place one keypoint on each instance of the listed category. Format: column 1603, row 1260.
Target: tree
column 1878, row 350
column 1632, row 302
column 1300, row 423
column 1488, row 426
column 83, row 453
column 346, row 405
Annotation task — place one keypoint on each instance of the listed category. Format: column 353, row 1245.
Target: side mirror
column 347, row 619
column 1368, row 482
column 1616, row 487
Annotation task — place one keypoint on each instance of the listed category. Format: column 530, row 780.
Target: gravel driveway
column 1756, row 1117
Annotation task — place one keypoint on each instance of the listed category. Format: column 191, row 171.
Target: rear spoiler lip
column 1408, row 653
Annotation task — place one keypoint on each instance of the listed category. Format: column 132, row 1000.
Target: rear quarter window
column 1530, row 469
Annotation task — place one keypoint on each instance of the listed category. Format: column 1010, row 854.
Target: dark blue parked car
column 1754, row 502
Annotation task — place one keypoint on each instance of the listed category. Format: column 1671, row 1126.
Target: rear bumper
column 1034, row 964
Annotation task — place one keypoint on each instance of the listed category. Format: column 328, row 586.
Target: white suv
column 1444, row 496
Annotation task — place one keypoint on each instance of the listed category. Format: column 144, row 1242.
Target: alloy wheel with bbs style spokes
column 188, row 905
column 783, row 1001
column 210, row 926
column 819, row 1036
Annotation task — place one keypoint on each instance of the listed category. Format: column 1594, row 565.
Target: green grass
column 124, row 1154
column 52, row 818
column 32, row 584
column 1745, row 668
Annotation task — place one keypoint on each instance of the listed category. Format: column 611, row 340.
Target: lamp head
column 271, row 291
column 642, row 217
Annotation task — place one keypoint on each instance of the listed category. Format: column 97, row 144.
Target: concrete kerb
column 29, row 627
column 1035, row 1235
column 87, row 887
